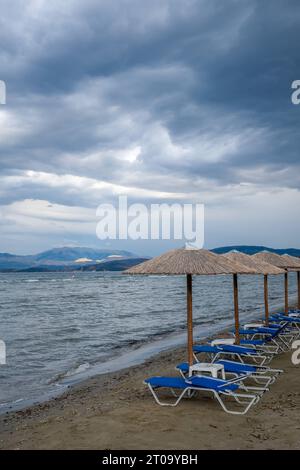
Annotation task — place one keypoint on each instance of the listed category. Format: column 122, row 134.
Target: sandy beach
column 116, row 411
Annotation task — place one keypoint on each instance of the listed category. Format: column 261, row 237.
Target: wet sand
column 116, row 411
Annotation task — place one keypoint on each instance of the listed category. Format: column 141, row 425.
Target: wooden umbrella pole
column 286, row 293
column 266, row 292
column 189, row 318
column 236, row 309
column 298, row 279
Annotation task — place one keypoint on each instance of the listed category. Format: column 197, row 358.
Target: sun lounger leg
column 252, row 399
column 161, row 403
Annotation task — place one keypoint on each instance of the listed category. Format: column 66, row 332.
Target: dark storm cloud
column 180, row 96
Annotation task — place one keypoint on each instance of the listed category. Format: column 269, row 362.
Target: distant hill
column 115, row 265
column 91, row 259
column 65, row 256
column 70, row 255
column 251, row 250
column 8, row 261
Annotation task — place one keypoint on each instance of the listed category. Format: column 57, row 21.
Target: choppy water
column 59, row 327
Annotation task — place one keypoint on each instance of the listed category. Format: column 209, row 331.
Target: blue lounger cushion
column 289, row 319
column 254, row 342
column 169, row 382
column 282, row 316
column 184, row 367
column 206, row 348
column 234, row 348
column 262, row 330
column 229, row 366
column 201, row 382
column 212, row 383
column 237, row 367
column 243, row 331
column 269, row 330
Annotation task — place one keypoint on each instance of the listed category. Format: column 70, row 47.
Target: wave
column 11, row 403
column 70, row 373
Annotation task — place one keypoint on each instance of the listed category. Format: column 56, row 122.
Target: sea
column 61, row 328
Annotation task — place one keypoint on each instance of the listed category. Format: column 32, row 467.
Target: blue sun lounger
column 242, row 353
column 291, row 312
column 263, row 336
column 289, row 322
column 218, row 388
column 260, row 374
column 285, row 318
column 286, row 329
column 236, row 367
column 294, row 311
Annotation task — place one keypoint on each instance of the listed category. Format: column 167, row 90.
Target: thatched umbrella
column 294, row 266
column 191, row 262
column 280, row 262
column 261, row 267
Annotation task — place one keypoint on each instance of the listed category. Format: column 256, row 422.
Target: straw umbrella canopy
column 280, row 262
column 292, row 261
column 261, row 267
column 190, row 262
column 294, row 266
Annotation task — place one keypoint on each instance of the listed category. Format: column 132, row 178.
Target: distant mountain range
column 116, row 265
column 68, row 259
column 91, row 259
column 251, row 250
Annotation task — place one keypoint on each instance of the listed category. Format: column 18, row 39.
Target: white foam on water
column 11, row 403
column 78, row 370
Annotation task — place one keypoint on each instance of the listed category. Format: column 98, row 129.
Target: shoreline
column 116, row 411
column 131, row 357
column 66, row 356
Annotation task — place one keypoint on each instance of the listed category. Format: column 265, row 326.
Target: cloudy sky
column 163, row 101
